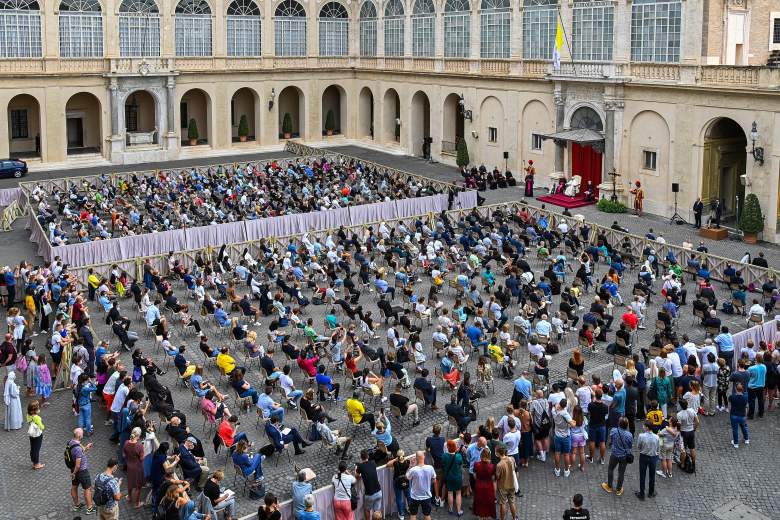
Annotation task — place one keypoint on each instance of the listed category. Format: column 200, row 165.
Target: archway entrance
column 586, row 159
column 366, row 111
column 82, row 124
column 24, row 127
column 141, row 119
column 391, row 124
column 421, row 125
column 291, row 107
column 334, row 105
column 242, row 116
column 453, row 124
column 195, row 117
column 725, row 147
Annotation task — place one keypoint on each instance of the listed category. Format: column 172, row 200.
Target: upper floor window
column 290, row 29
column 139, row 28
column 495, row 19
column 334, row 30
column 394, row 28
column 540, row 22
column 20, row 29
column 244, row 26
column 423, row 28
column 593, row 30
column 457, row 28
column 81, row 29
column 655, row 30
column 193, row 28
column 368, row 29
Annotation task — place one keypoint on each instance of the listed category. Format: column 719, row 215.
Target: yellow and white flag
column 558, row 45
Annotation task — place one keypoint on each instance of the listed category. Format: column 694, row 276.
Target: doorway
column 586, row 162
column 725, row 152
column 75, row 133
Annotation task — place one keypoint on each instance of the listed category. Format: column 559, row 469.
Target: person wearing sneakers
column 621, row 441
column 647, row 444
column 738, row 402
column 597, row 428
column 562, row 438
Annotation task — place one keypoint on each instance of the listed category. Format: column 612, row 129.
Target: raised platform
column 566, row 202
column 714, row 233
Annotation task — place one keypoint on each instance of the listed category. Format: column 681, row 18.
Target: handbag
column 353, row 498
column 34, row 430
column 629, row 458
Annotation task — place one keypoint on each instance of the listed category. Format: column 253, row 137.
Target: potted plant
column 287, row 127
column 192, row 132
column 243, row 129
column 752, row 221
column 462, row 159
column 330, row 123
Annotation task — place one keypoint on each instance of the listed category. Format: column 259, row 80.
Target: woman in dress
column 13, row 405
column 485, row 487
column 43, row 380
column 452, row 462
column 134, row 457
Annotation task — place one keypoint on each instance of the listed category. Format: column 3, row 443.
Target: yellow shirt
column 226, row 363
column 656, row 417
column 496, row 352
column 29, row 302
column 93, row 281
column 355, row 409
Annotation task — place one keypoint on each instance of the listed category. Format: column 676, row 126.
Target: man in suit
column 698, row 208
column 456, row 411
column 717, row 210
column 275, row 431
column 425, row 386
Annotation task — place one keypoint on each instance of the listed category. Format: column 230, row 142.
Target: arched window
column 290, row 29
column 20, row 29
column 593, row 28
column 368, row 29
column 423, row 28
column 243, row 28
column 139, row 28
column 394, row 28
column 457, row 26
column 81, row 29
column 495, row 19
column 540, row 21
column 655, row 30
column 334, row 30
column 193, row 28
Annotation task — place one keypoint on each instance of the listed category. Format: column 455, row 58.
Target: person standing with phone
column 108, row 492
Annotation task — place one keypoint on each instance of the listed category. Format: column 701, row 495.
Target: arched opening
column 24, row 127
column 366, row 111
column 82, row 123
column 141, row 119
column 334, row 107
column 291, row 110
column 391, row 124
column 725, row 147
column 586, row 159
column 195, row 117
column 453, row 124
column 420, row 124
column 243, row 123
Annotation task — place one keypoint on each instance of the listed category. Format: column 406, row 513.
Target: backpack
column 314, row 434
column 103, row 493
column 728, row 308
column 70, row 462
column 688, row 466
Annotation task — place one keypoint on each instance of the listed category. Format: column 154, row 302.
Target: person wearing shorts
column 689, row 420
column 422, row 478
column 79, row 475
column 562, row 437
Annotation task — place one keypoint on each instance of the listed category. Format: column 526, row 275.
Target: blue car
column 12, row 168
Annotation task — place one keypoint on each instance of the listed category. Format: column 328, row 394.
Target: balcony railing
column 722, row 76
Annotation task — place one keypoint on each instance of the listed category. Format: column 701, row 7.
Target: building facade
column 677, row 91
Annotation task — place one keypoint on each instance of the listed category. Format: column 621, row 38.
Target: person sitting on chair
column 457, row 412
column 279, row 435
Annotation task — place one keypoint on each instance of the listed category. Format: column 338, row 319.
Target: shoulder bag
column 353, row 498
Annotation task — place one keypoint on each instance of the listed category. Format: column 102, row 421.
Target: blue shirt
column 725, row 342
column 473, row 453
column 757, row 376
column 738, row 404
column 221, row 316
column 523, row 387
column 265, row 403
column 620, row 401
column 474, row 333
column 621, row 441
column 152, row 314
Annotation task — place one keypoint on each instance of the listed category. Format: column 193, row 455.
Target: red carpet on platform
column 566, row 202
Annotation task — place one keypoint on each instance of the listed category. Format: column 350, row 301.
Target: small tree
column 751, row 221
column 462, row 159
column 192, row 130
column 330, row 121
column 287, row 127
column 243, row 126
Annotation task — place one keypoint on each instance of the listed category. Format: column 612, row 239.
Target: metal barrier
column 10, row 213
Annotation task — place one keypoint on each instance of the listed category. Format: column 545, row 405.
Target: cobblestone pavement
column 724, row 474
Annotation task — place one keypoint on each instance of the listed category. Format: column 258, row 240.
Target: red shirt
column 631, row 320
column 226, row 433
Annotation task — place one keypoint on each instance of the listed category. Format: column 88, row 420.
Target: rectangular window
column 492, row 134
column 495, row 34
column 184, row 120
column 539, row 26
column 290, row 33
column 776, row 31
column 655, row 31
column 20, row 34
column 19, row 128
column 536, row 142
column 394, row 37
column 81, row 35
column 139, row 35
column 243, row 35
column 131, row 118
column 457, row 27
column 368, row 38
column 193, row 35
column 593, row 27
column 423, row 35
column 334, row 37
column 649, row 159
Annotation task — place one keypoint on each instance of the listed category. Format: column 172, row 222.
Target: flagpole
column 566, row 39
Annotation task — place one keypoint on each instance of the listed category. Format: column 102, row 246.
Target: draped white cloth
column 466, row 200
column 8, row 195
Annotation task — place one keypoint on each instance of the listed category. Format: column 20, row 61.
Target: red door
column 586, row 162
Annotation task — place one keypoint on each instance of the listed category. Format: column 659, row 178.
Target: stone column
column 113, row 88
column 116, row 139
column 560, row 114
column 171, row 141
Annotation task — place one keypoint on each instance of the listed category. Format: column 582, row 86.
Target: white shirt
column 757, row 309
column 119, row 398
column 342, row 486
column 555, row 398
column 584, row 396
column 110, row 386
column 537, row 350
column 676, row 365
column 287, row 384
column 512, row 441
